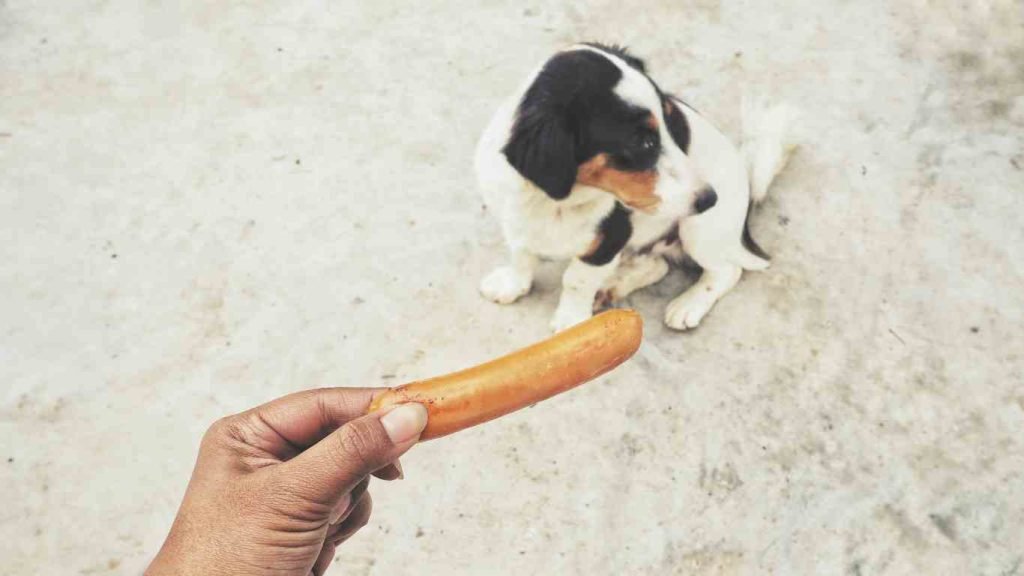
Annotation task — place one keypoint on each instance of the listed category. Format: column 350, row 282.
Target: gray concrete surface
column 206, row 205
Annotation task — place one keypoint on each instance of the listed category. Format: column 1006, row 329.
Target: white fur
column 507, row 284
column 580, row 285
column 766, row 144
column 533, row 224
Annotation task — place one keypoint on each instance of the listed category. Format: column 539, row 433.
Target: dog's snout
column 706, row 200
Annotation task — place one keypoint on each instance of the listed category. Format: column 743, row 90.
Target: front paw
column 687, row 310
column 505, row 285
column 568, row 316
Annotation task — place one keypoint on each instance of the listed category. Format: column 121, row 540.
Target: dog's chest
column 648, row 229
column 559, row 229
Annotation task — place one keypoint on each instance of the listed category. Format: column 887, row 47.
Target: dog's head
column 593, row 117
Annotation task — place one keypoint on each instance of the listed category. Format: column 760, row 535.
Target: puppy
column 590, row 161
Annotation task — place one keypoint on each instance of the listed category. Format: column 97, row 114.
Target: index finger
column 304, row 418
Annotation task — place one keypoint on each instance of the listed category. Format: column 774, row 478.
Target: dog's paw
column 687, row 310
column 568, row 316
column 505, row 285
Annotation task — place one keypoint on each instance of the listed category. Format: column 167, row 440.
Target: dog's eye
column 646, row 141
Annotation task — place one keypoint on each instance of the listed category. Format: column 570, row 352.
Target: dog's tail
column 767, row 144
column 750, row 256
column 766, row 150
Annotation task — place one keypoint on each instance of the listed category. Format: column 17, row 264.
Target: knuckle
column 365, row 518
column 361, row 523
column 230, row 433
column 220, row 430
column 358, row 445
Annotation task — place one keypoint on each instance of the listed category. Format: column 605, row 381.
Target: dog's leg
column 689, row 308
column 635, row 272
column 507, row 284
column 580, row 284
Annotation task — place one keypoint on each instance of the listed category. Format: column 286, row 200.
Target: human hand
column 276, row 488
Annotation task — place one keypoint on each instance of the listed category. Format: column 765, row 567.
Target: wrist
column 177, row 558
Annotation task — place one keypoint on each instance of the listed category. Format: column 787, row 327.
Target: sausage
column 475, row 395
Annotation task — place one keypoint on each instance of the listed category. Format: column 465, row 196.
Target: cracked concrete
column 207, row 205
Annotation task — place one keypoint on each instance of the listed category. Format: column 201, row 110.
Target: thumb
column 333, row 466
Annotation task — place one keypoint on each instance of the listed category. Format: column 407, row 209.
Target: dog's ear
column 542, row 149
column 544, row 145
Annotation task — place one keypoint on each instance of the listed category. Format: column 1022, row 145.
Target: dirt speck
column 945, row 524
column 909, row 533
column 721, row 480
column 965, row 60
column 707, row 561
column 630, row 445
column 997, row 109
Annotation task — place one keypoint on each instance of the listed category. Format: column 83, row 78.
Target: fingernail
column 404, row 422
column 338, row 510
column 401, row 473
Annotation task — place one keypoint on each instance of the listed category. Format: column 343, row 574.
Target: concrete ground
column 204, row 206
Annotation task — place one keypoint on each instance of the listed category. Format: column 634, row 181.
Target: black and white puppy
column 591, row 161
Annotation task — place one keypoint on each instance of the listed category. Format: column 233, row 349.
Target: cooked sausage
column 475, row 395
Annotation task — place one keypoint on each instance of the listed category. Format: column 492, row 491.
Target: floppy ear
column 543, row 150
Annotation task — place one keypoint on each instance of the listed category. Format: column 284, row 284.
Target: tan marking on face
column 634, row 189
column 594, row 245
column 652, row 122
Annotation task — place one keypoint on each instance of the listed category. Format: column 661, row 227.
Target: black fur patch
column 748, row 240
column 677, row 125
column 620, row 51
column 546, row 145
column 615, row 230
column 571, row 113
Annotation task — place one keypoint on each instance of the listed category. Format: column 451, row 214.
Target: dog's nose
column 706, row 200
